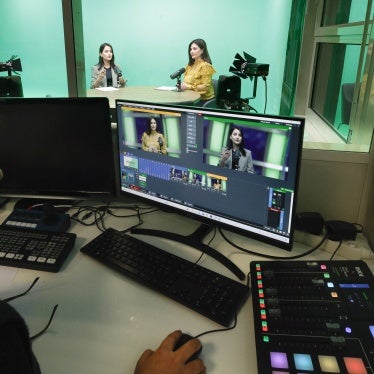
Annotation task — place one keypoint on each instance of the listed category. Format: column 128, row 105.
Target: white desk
column 105, row 321
column 147, row 94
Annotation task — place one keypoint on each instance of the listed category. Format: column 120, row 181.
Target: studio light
column 12, row 65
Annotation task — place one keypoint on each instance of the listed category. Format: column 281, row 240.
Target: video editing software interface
column 178, row 165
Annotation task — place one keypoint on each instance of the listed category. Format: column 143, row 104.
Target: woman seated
column 153, row 140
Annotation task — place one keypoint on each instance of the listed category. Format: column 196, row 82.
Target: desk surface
column 105, row 321
column 146, row 94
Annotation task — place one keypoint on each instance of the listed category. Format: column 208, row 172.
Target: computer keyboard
column 33, row 249
column 206, row 292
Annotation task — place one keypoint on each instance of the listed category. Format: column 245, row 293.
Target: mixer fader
column 313, row 317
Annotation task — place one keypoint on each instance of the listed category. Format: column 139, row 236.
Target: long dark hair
column 101, row 61
column 229, row 144
column 202, row 45
column 149, row 130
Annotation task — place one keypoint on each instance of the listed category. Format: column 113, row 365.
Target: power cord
column 50, row 318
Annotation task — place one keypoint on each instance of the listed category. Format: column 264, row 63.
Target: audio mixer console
column 313, row 317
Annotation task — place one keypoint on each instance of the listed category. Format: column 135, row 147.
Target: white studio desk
column 105, row 320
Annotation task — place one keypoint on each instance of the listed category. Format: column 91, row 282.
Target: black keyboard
column 33, row 249
column 206, row 292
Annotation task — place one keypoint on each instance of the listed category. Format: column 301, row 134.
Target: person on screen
column 199, row 71
column 106, row 73
column 234, row 155
column 153, row 140
column 17, row 355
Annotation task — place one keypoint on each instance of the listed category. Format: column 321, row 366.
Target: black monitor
column 253, row 192
column 56, row 148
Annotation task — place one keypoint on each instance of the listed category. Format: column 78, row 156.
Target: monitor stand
column 194, row 240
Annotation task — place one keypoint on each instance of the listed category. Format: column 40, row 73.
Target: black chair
column 227, row 93
column 212, row 102
column 11, row 86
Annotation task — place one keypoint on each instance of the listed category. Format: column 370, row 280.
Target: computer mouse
column 184, row 339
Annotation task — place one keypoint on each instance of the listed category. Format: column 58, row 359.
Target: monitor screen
column 56, row 147
column 232, row 169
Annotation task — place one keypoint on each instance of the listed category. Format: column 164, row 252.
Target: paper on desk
column 107, row 88
column 166, row 88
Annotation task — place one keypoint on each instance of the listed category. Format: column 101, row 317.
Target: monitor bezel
column 178, row 208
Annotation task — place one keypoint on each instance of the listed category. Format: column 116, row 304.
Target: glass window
column 336, row 12
column 334, row 84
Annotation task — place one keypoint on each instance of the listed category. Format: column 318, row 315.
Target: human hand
column 102, row 73
column 225, row 155
column 166, row 361
column 151, row 148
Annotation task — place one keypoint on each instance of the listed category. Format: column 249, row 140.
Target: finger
column 170, row 340
column 196, row 366
column 188, row 349
column 147, row 353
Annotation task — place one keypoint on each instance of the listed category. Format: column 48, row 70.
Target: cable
column 219, row 330
column 211, row 239
column 336, row 250
column 46, row 327
column 272, row 256
column 266, row 94
column 23, row 293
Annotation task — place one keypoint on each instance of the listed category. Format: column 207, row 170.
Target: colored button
column 278, row 360
column 328, row 364
column 303, row 361
column 355, row 365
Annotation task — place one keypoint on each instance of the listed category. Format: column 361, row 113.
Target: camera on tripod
column 228, row 96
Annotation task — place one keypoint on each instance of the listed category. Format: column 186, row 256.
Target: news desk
column 146, row 94
column 105, row 321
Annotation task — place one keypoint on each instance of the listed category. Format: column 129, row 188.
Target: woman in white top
column 106, row 73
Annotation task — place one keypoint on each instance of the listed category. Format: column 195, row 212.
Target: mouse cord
column 23, row 293
column 46, row 327
column 219, row 330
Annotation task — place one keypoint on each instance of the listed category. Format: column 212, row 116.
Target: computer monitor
column 182, row 168
column 56, row 148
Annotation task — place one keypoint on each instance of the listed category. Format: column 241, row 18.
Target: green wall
column 33, row 31
column 150, row 39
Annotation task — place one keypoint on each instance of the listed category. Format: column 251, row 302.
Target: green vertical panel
column 172, row 134
column 275, row 154
column 293, row 56
column 129, row 131
column 217, row 139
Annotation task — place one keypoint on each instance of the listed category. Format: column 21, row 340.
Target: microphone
column 119, row 74
column 160, row 142
column 118, row 71
column 178, row 73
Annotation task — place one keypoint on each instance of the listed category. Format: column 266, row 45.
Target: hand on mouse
column 166, row 361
